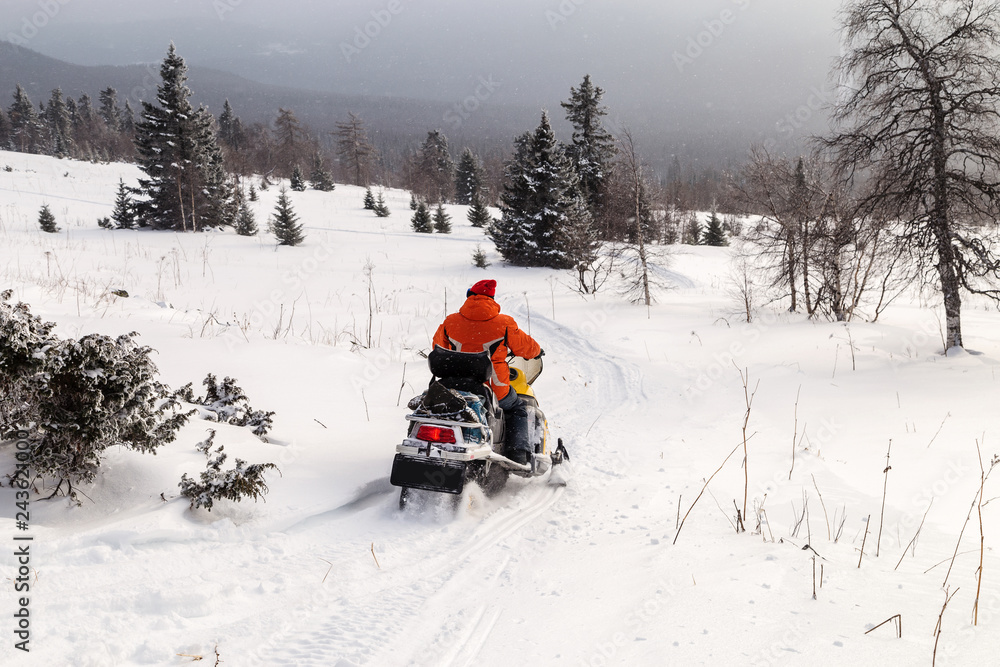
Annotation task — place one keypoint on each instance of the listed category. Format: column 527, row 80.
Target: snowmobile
column 456, row 430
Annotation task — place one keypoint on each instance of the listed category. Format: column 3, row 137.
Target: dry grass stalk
column 703, row 488
column 867, row 523
column 983, row 475
column 937, row 628
column 885, row 488
column 748, row 399
column 825, row 515
column 795, row 430
column 913, row 542
column 375, row 557
column 897, row 622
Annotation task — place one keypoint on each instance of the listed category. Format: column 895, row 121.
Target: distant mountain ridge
column 391, row 119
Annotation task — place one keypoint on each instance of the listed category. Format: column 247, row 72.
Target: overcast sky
column 673, row 64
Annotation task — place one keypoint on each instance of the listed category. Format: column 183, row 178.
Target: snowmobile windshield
column 531, row 368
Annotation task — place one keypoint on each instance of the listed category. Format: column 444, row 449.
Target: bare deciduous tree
column 917, row 120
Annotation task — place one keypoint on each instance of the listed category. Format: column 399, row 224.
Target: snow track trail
column 447, row 584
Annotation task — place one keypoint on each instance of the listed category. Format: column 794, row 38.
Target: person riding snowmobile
column 479, row 326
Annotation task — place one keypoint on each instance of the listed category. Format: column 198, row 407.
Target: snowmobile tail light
column 429, row 433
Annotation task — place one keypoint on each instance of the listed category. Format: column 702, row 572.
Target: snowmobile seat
column 451, row 363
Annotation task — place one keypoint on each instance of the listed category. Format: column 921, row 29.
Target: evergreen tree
column 468, row 178
column 479, row 258
column 285, row 223
column 369, row 202
column 355, row 150
column 381, row 208
column 127, row 122
column 442, row 221
column 413, row 202
column 692, row 233
column 246, row 224
column 593, row 147
column 436, row 167
column 714, row 234
column 512, row 232
column 291, row 138
column 26, row 129
column 124, row 213
column 252, row 196
column 539, row 204
column 109, row 111
column 231, row 131
column 479, row 215
column 46, row 220
column 421, row 221
column 320, row 178
column 4, row 130
column 298, row 181
column 185, row 185
column 60, row 125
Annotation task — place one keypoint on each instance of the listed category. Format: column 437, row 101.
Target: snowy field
column 329, row 572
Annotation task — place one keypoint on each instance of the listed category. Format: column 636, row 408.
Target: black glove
column 541, row 353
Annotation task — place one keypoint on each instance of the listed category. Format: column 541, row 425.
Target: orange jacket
column 478, row 326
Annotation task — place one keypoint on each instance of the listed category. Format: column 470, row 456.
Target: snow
column 649, row 403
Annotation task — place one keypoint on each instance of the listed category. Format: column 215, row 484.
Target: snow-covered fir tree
column 421, row 221
column 246, row 223
column 540, row 204
column 24, row 342
column 512, row 233
column 26, row 129
column 298, row 181
column 714, row 234
column 59, row 125
column 124, row 214
column 592, row 148
column 252, row 195
column 468, row 177
column 284, row 223
column 46, row 220
column 369, row 202
column 381, row 208
column 186, row 187
column 413, row 201
column 442, row 221
column 109, row 111
column 436, row 167
column 479, row 214
column 320, row 178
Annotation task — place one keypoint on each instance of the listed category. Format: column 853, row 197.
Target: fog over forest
column 702, row 80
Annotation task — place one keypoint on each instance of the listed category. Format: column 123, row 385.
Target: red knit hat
column 484, row 288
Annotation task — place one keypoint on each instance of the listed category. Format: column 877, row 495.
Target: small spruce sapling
column 246, row 224
column 252, row 195
column 442, row 221
column 479, row 258
column 381, row 208
column 479, row 215
column 298, row 181
column 46, row 220
column 369, row 202
column 124, row 213
column 421, row 221
column 413, row 202
column 285, row 223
